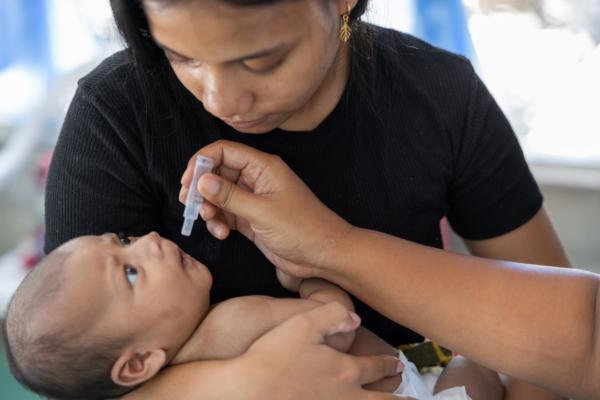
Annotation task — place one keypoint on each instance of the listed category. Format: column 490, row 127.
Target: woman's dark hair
column 133, row 25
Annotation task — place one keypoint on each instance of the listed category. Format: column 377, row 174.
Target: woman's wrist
column 338, row 254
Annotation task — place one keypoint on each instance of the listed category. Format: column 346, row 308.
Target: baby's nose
column 153, row 242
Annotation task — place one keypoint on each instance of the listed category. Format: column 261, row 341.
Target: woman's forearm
column 206, row 380
column 543, row 319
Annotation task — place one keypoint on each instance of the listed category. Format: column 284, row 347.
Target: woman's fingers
column 208, row 211
column 375, row 368
column 231, row 175
column 326, row 320
column 235, row 155
column 229, row 197
column 218, row 227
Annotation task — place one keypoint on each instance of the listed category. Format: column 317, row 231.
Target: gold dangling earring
column 346, row 31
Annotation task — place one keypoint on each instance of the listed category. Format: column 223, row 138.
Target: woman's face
column 259, row 67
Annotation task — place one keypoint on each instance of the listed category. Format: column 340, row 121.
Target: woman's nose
column 225, row 97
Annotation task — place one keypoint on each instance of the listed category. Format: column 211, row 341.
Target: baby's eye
column 131, row 274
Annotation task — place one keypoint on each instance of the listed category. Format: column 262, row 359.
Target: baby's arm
column 232, row 326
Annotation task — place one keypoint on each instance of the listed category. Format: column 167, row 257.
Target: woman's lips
column 245, row 124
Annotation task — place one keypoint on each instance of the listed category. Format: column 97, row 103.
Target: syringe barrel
column 194, row 200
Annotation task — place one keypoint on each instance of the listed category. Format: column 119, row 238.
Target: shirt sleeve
column 98, row 180
column 493, row 191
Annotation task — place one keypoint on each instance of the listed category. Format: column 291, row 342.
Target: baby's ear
column 134, row 368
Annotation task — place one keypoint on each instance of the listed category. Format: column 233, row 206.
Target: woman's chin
column 263, row 125
column 256, row 126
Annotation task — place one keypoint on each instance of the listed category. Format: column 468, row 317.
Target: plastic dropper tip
column 186, row 229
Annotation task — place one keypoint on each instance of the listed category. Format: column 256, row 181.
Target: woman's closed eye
column 263, row 65
column 131, row 274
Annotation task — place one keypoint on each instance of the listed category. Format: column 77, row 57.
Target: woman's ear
column 343, row 5
column 134, row 368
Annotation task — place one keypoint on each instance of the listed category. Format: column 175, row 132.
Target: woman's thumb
column 228, row 196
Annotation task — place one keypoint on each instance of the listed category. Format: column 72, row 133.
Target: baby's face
column 148, row 290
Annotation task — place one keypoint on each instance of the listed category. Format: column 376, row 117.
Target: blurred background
column 540, row 59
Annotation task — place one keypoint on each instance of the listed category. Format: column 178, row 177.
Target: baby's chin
column 191, row 262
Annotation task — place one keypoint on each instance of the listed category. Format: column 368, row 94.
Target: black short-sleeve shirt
column 431, row 143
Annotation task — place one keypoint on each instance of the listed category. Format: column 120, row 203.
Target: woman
column 389, row 132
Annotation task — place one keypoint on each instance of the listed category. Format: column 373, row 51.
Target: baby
column 99, row 316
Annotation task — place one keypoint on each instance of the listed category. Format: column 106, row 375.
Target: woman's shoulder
column 118, row 86
column 408, row 73
column 118, row 75
column 402, row 54
column 118, row 67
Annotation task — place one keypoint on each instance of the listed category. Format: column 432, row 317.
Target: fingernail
column 219, row 232
column 355, row 317
column 210, row 185
column 399, row 366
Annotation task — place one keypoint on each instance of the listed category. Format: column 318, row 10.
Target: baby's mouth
column 186, row 259
column 181, row 258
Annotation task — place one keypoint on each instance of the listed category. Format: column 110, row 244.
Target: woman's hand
column 260, row 196
column 306, row 369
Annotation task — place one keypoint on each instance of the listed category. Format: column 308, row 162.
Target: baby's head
column 98, row 317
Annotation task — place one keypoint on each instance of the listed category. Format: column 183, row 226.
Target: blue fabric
column 443, row 24
column 24, row 34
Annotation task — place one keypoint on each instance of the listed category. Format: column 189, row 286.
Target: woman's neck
column 325, row 99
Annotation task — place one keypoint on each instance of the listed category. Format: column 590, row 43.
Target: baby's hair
column 63, row 363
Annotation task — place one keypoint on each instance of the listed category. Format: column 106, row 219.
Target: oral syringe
column 194, row 200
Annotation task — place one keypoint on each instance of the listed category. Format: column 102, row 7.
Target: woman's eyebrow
column 162, row 46
column 258, row 54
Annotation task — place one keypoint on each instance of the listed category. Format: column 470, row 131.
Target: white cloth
column 413, row 385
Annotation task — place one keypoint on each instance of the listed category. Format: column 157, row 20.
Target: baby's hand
column 341, row 341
